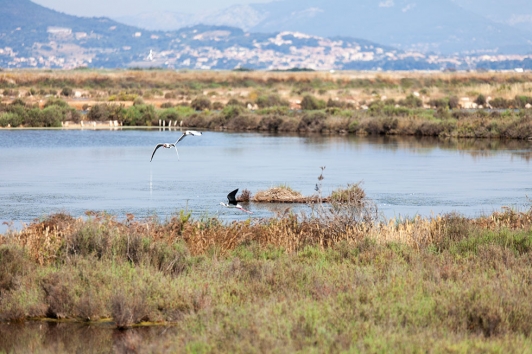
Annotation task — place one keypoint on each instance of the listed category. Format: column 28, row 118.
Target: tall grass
column 334, row 281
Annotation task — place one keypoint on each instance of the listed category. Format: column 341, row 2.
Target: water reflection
column 46, row 171
column 53, row 337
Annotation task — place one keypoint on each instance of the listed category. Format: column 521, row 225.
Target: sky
column 116, row 8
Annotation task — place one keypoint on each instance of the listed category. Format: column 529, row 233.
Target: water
column 48, row 171
column 70, row 337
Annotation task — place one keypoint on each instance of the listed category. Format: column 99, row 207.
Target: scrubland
column 337, row 279
column 461, row 105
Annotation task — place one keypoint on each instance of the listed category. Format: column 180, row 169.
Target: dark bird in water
column 232, row 203
column 170, row 145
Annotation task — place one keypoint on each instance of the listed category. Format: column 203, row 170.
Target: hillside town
column 205, row 50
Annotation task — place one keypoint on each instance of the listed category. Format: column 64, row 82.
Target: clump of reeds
column 352, row 194
column 278, row 194
column 245, row 196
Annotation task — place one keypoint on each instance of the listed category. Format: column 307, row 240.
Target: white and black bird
column 232, row 203
column 173, row 145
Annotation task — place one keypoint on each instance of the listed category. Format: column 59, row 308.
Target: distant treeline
column 273, row 114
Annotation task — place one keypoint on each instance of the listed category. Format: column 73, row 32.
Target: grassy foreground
column 340, row 280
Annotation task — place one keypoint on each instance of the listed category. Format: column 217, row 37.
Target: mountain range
column 440, row 26
column 34, row 36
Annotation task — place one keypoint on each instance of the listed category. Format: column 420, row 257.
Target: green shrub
column 138, row 101
column 411, row 101
column 18, row 102
column 169, row 114
column 11, row 119
column 52, row 116
column 217, row 105
column 335, row 104
column 270, row 100
column 167, row 105
column 522, row 101
column 499, row 102
column 453, row 102
column 67, row 91
column 139, row 115
column 99, row 112
column 279, row 110
column 232, row 111
column 439, row 103
column 480, row 100
column 312, row 122
column 235, row 102
column 201, row 103
column 10, row 93
column 312, row 103
column 56, row 101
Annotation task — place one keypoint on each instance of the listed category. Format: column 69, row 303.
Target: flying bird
column 232, row 203
column 170, row 145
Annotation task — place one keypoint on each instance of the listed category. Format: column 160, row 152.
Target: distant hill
column 514, row 13
column 441, row 26
column 32, row 36
column 33, row 30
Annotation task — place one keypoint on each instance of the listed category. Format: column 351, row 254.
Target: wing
column 192, row 132
column 232, row 197
column 153, row 153
column 181, row 137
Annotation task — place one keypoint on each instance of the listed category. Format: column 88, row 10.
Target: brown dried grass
column 58, row 238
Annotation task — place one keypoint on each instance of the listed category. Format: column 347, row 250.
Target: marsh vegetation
column 334, row 280
column 358, row 103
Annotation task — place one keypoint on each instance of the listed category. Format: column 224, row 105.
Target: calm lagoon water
column 48, row 171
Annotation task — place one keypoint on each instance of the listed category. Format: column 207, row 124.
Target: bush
column 411, row 101
column 67, row 91
column 201, row 103
column 312, row 122
column 312, row 103
column 243, row 122
column 522, row 101
column 167, row 105
column 11, row 119
column 217, row 105
column 139, row 115
column 499, row 102
column 270, row 123
column 138, row 101
column 480, row 100
column 235, row 102
column 196, row 121
column 18, row 102
column 232, row 111
column 169, row 114
column 271, row 100
column 11, row 93
column 439, row 103
column 336, row 104
column 52, row 116
column 99, row 112
column 453, row 102
column 55, row 101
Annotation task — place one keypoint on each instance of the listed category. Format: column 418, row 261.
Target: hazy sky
column 113, row 8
